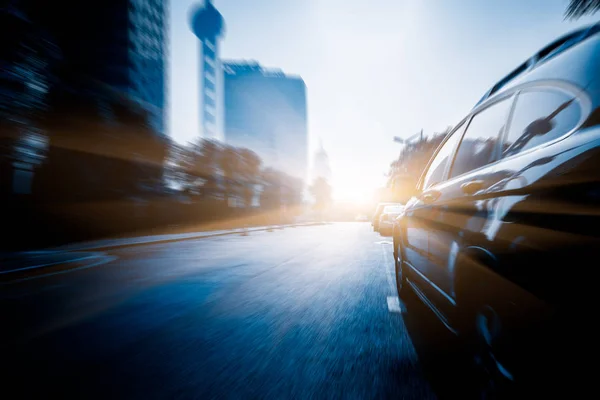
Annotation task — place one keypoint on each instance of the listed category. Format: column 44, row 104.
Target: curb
column 125, row 244
column 240, row 231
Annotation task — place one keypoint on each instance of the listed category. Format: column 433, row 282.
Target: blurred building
column 24, row 78
column 65, row 59
column 118, row 44
column 321, row 167
column 265, row 111
column 146, row 58
column 207, row 24
column 101, row 46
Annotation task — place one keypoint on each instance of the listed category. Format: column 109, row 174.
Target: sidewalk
column 22, row 261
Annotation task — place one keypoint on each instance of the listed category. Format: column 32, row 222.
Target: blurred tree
column 579, row 8
column 230, row 165
column 183, row 167
column 270, row 197
column 26, row 56
column 251, row 163
column 207, row 164
column 195, row 168
column 177, row 172
column 414, row 157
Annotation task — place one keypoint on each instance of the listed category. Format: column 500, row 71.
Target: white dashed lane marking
column 389, row 274
column 393, row 302
column 102, row 259
column 394, row 305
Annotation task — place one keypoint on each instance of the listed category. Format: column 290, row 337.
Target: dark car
column 504, row 229
column 387, row 217
column 377, row 214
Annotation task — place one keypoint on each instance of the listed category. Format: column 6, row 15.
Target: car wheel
column 400, row 273
column 484, row 330
column 495, row 377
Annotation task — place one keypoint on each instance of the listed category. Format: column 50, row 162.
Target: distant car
column 377, row 214
column 387, row 217
column 501, row 237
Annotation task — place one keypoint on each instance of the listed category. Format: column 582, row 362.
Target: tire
column 400, row 272
column 490, row 343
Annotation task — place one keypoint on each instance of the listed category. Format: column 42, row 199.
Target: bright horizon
column 373, row 70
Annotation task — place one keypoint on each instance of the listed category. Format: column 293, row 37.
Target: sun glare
column 355, row 194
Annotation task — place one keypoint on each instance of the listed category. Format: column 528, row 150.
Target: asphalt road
column 294, row 313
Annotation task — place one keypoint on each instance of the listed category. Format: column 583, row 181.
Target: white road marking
column 394, row 305
column 104, row 260
column 48, row 264
column 393, row 302
column 390, row 275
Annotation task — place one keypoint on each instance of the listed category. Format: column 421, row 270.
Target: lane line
column 393, row 302
column 388, row 273
column 394, row 305
column 48, row 264
column 105, row 260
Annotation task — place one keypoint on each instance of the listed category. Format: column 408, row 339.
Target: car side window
column 539, row 117
column 435, row 173
column 479, row 143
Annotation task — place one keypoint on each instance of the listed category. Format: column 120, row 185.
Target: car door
column 460, row 209
column 543, row 204
column 417, row 216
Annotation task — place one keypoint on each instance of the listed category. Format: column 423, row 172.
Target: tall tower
column 321, row 168
column 208, row 26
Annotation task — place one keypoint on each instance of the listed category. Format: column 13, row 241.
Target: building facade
column 147, row 58
column 68, row 58
column 208, row 26
column 265, row 111
column 119, row 46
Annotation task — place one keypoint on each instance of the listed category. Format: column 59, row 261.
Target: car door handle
column 472, row 187
column 430, row 196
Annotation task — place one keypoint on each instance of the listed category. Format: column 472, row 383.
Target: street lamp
column 398, row 139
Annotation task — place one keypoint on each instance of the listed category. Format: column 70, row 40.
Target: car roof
column 574, row 56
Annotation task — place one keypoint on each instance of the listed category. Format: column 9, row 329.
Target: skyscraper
column 69, row 58
column 207, row 24
column 147, row 57
column 265, row 111
column 120, row 45
column 321, row 168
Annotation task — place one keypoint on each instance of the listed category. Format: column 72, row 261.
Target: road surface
column 294, row 313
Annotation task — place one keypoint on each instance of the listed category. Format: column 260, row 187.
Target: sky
column 373, row 69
